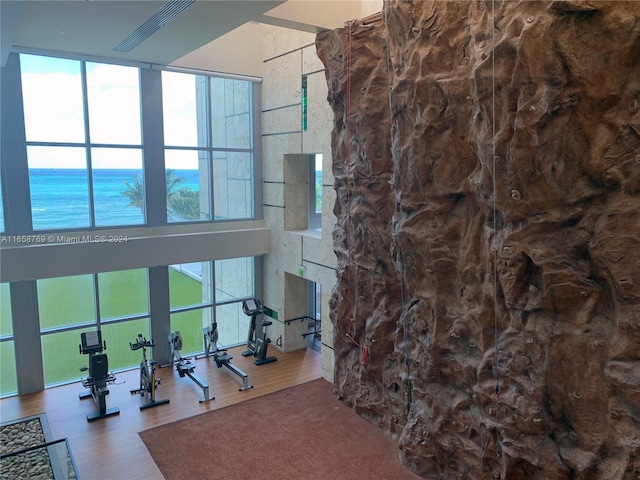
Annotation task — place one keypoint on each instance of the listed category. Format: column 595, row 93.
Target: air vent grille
column 164, row 15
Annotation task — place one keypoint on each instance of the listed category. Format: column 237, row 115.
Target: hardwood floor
column 111, row 448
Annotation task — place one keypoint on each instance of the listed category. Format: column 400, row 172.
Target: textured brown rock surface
column 487, row 165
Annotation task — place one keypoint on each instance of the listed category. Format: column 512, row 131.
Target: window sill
column 308, row 233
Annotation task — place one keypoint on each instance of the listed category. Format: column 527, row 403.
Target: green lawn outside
column 7, row 358
column 5, row 310
column 70, row 300
column 8, row 381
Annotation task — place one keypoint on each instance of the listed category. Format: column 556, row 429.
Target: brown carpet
column 302, row 432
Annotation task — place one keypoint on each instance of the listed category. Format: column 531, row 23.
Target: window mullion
column 212, row 215
column 153, row 148
column 96, row 303
column 212, row 275
column 256, row 150
column 87, row 141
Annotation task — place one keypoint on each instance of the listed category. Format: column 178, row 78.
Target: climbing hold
column 626, row 283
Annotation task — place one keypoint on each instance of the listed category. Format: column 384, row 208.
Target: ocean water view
column 60, row 197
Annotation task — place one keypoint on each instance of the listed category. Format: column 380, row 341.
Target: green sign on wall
column 271, row 313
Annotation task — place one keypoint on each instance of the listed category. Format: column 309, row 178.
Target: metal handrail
column 302, row 319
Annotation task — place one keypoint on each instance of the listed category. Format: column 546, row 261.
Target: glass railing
column 51, row 460
column 27, row 451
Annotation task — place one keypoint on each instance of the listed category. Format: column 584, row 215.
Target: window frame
column 214, row 304
column 87, row 145
column 151, row 147
column 207, row 145
column 315, row 217
column 97, row 323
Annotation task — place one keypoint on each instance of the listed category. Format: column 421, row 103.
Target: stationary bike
column 257, row 346
column 148, row 380
column 91, row 344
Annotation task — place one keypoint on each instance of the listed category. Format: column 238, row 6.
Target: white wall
column 238, row 52
column 287, row 55
column 369, row 7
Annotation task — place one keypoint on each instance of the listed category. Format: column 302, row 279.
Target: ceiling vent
column 164, row 15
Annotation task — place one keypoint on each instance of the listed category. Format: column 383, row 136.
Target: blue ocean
column 59, row 197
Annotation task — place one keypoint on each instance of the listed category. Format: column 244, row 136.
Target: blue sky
column 53, row 106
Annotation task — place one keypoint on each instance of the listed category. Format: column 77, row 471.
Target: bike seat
column 223, row 358
column 266, row 323
column 185, row 366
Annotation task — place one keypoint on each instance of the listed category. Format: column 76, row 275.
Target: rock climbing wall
column 487, row 165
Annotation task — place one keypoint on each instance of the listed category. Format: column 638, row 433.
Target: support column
column 26, row 332
column 159, row 308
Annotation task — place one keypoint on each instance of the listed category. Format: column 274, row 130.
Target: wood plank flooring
column 111, row 448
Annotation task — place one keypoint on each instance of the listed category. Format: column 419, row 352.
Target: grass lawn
column 7, row 358
column 70, row 300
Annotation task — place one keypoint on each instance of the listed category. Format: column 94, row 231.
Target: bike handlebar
column 141, row 342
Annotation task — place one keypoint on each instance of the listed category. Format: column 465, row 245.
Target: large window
column 115, row 302
column 191, row 299
column 208, row 147
column 197, row 300
column 234, row 282
column 88, row 162
column 84, row 144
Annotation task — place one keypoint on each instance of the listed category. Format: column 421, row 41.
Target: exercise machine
column 148, row 381
column 99, row 376
column 184, row 365
column 257, row 346
column 220, row 356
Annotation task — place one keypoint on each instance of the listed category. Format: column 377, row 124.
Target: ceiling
column 95, row 27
